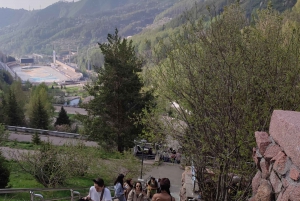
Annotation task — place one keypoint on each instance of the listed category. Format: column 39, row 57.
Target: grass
column 19, row 179
column 20, row 145
column 30, row 146
column 76, row 91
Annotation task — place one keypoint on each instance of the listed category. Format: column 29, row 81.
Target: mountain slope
column 77, row 24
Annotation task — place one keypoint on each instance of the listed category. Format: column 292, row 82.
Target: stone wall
column 277, row 157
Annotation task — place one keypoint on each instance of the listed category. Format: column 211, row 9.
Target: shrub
column 4, row 172
column 36, row 138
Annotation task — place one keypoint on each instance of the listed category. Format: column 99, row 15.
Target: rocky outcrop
column 277, row 157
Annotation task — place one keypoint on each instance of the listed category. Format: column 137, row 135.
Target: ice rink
column 39, row 74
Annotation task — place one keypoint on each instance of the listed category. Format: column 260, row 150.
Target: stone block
column 285, row 182
column 272, row 151
column 295, row 194
column 256, row 182
column 292, row 193
column 294, row 173
column 279, row 198
column 257, row 158
column 264, row 165
column 285, row 130
column 281, row 164
column 262, row 140
column 264, row 191
column 276, row 183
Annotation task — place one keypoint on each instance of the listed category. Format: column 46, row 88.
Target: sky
column 26, row 4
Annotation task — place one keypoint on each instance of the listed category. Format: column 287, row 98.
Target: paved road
column 53, row 139
column 71, row 110
column 171, row 171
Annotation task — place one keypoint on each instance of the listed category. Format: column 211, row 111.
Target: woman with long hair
column 128, row 187
column 119, row 190
column 165, row 194
column 137, row 193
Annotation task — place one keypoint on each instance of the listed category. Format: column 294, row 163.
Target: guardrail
column 75, row 195
column 45, row 132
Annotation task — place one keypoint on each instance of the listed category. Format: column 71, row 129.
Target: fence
column 45, row 132
column 75, row 195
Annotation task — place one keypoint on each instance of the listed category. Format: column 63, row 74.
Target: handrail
column 41, row 197
column 22, row 190
column 44, row 132
column 33, row 195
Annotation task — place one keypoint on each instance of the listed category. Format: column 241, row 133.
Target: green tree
column 118, row 98
column 36, row 138
column 40, row 109
column 4, row 171
column 223, row 79
column 13, row 112
column 62, row 118
column 39, row 117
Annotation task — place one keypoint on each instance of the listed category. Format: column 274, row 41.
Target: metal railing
column 45, row 132
column 75, row 195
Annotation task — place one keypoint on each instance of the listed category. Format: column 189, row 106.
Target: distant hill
column 10, row 16
column 65, row 25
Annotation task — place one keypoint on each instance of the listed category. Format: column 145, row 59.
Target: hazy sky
column 18, row 4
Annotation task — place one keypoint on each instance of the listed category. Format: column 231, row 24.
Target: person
column 137, row 193
column 173, row 156
column 158, row 182
column 178, row 157
column 150, row 152
column 165, row 156
column 165, row 194
column 152, row 187
column 97, row 191
column 128, row 187
column 119, row 190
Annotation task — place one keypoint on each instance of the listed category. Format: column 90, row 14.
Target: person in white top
column 95, row 193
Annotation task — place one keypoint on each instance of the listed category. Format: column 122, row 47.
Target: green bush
column 36, row 139
column 4, row 172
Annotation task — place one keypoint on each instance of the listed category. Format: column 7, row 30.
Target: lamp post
column 143, row 142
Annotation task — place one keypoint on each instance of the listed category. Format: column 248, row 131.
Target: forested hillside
column 65, row 25
column 150, row 36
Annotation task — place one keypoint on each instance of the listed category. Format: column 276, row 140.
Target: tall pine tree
column 40, row 109
column 39, row 118
column 63, row 118
column 118, row 98
column 13, row 115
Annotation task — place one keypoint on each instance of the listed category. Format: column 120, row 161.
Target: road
column 71, row 110
column 171, row 171
column 53, row 139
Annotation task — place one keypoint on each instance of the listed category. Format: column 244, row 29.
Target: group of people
column 131, row 191
column 171, row 156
